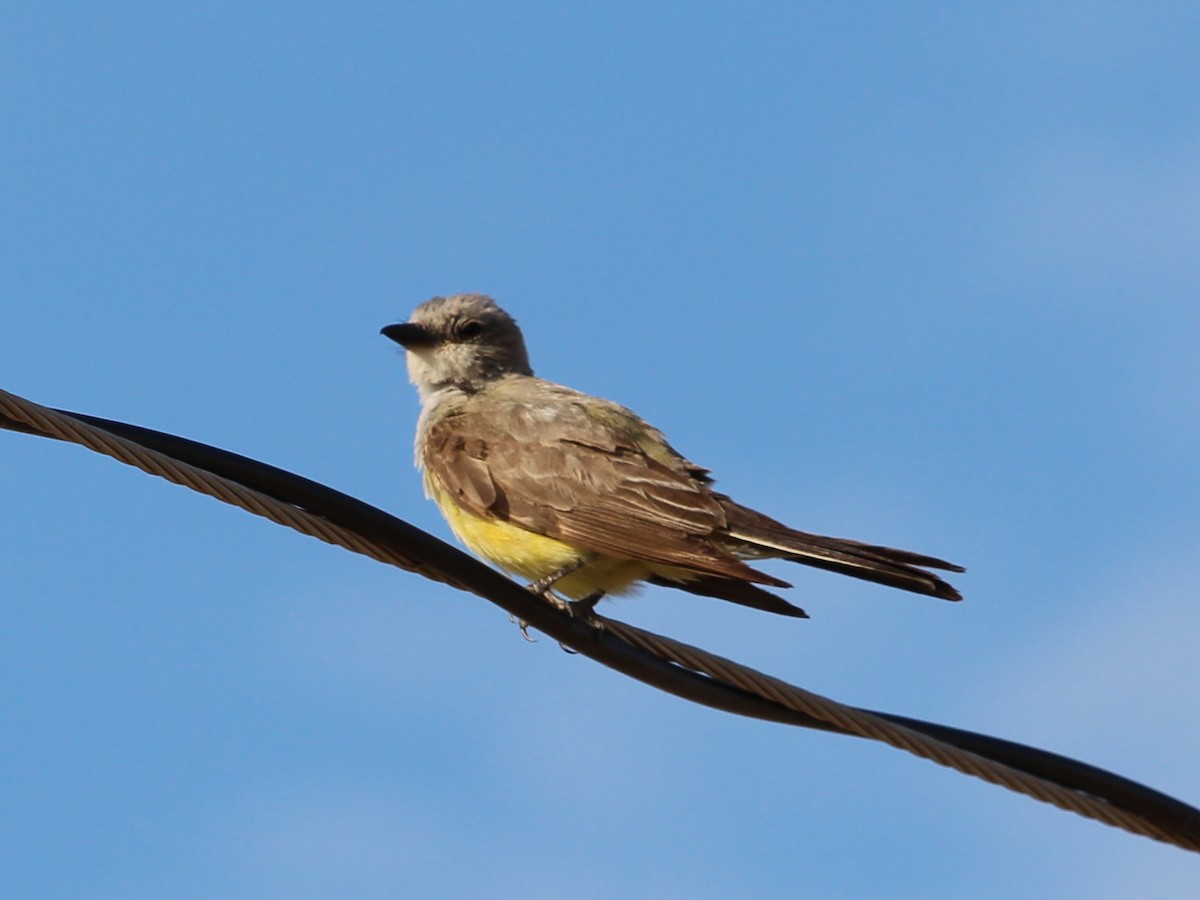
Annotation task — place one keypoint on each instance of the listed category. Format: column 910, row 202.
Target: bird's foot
column 584, row 609
column 524, row 626
column 543, row 585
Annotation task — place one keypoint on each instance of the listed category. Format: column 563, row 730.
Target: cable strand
column 1177, row 824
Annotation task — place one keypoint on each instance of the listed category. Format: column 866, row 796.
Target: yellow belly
column 534, row 556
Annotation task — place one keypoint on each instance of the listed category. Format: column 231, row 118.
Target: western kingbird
column 580, row 495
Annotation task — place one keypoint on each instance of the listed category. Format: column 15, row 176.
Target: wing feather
column 598, row 478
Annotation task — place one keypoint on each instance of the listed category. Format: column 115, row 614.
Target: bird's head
column 462, row 341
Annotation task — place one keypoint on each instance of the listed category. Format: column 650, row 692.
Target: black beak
column 406, row 334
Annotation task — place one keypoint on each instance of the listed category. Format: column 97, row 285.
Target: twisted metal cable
column 51, row 423
column 863, row 724
column 20, row 414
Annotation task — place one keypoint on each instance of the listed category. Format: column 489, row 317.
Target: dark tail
column 741, row 592
column 758, row 536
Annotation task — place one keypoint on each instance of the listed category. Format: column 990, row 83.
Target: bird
column 582, row 497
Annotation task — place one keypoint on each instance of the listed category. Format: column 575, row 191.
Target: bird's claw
column 583, row 610
column 524, row 626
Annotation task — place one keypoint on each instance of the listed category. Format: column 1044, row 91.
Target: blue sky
column 923, row 276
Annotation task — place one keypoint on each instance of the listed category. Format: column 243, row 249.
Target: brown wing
column 581, row 474
column 761, row 536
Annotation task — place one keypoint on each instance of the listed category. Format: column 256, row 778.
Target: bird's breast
column 533, row 556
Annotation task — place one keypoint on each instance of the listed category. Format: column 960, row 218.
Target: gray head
column 463, row 341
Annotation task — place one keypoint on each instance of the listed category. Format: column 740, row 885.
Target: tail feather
column 761, row 537
column 741, row 592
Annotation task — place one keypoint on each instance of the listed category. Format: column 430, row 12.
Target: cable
column 682, row 670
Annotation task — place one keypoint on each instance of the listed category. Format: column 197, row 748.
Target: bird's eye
column 470, row 329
